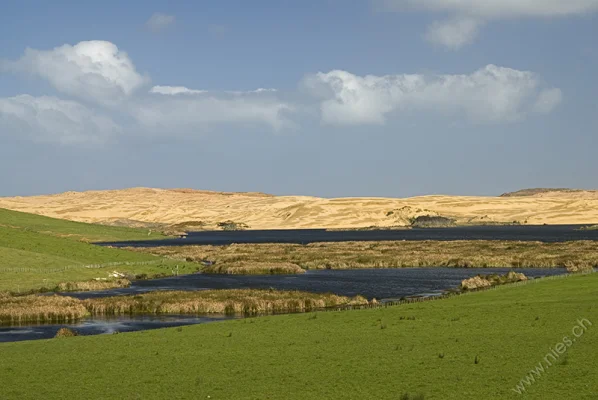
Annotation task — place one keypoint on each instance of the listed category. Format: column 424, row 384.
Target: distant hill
column 536, row 191
column 185, row 209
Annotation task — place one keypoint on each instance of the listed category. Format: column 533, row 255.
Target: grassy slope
column 72, row 230
column 336, row 355
column 38, row 252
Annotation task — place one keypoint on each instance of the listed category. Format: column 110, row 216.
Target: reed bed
column 92, row 285
column 233, row 301
column 575, row 255
column 254, row 268
column 33, row 308
column 55, row 308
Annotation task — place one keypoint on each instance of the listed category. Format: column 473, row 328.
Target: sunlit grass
column 37, row 258
column 36, row 308
column 578, row 255
column 473, row 346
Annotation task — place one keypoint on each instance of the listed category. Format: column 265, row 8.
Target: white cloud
column 454, row 33
column 174, row 90
column 49, row 119
column 258, row 90
column 497, row 8
column 547, row 100
column 99, row 72
column 491, row 94
column 183, row 109
column 93, row 70
column 159, row 21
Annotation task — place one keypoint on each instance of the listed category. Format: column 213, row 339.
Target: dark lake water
column 100, row 325
column 544, row 233
column 389, row 283
column 382, row 284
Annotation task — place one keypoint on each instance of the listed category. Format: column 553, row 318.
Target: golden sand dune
column 262, row 211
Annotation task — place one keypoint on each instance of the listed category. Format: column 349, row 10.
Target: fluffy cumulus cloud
column 491, row 94
column 159, row 22
column 49, row 119
column 468, row 15
column 187, row 109
column 94, row 70
column 105, row 77
column 110, row 86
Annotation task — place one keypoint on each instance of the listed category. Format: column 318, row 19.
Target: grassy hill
column 209, row 210
column 72, row 230
column 476, row 346
column 40, row 252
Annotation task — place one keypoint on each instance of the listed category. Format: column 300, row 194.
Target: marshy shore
column 56, row 308
column 293, row 258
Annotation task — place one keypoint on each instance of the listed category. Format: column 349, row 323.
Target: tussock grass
column 33, row 308
column 483, row 281
column 254, row 268
column 92, row 285
column 233, row 301
column 66, row 332
column 576, row 255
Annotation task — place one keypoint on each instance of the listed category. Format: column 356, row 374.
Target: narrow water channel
column 382, row 284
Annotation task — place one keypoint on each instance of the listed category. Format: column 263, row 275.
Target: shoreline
column 266, row 259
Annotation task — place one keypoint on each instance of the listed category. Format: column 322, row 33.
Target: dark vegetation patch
column 534, row 191
column 432, row 221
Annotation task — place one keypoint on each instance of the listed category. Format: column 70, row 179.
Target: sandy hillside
column 260, row 211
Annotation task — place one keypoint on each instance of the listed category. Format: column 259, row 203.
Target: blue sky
column 326, row 98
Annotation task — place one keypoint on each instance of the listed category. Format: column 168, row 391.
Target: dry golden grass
column 87, row 286
column 483, row 281
column 254, row 268
column 34, row 308
column 195, row 208
column 395, row 254
column 66, row 332
column 233, row 301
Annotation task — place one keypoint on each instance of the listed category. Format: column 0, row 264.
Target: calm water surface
column 382, row 284
column 542, row 233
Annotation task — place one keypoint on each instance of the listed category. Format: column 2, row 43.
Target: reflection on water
column 543, row 233
column 371, row 283
column 103, row 325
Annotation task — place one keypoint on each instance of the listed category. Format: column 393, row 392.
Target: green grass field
column 72, row 230
column 474, row 346
column 39, row 252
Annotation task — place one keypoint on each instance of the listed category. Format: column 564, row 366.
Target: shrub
column 66, row 332
column 430, row 221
